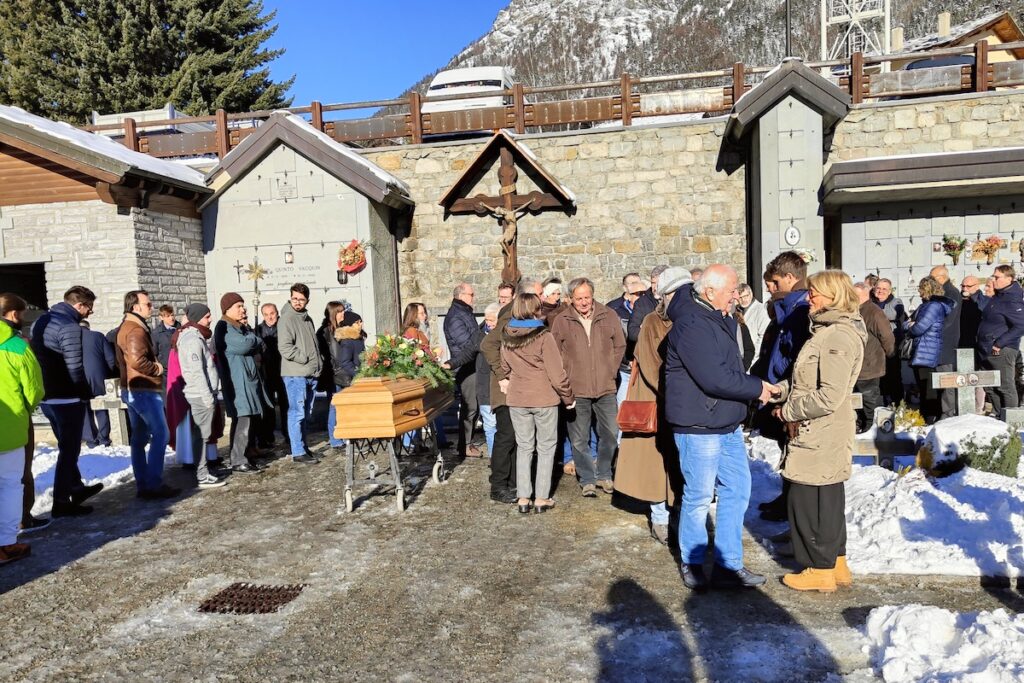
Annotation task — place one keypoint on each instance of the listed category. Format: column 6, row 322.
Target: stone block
column 702, row 244
column 626, row 246
column 904, row 118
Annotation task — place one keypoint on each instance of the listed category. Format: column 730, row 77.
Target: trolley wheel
column 438, row 473
column 349, row 503
column 400, row 499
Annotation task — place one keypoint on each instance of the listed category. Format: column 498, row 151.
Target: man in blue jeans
column 142, row 391
column 300, row 368
column 707, row 393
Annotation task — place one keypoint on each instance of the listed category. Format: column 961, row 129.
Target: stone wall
column 170, row 260
column 958, row 123
column 79, row 243
column 645, row 196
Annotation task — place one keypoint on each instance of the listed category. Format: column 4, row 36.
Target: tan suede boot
column 842, row 572
column 810, row 579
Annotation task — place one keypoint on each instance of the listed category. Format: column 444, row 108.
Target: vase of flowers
column 989, row 247
column 352, row 258
column 953, row 246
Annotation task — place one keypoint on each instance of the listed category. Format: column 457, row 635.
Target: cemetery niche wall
column 893, row 216
column 286, row 201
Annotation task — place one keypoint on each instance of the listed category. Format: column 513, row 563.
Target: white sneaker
column 211, row 482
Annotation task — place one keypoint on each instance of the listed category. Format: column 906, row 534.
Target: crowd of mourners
column 647, row 396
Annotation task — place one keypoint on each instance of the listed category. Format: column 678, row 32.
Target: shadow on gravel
column 117, row 514
column 644, row 642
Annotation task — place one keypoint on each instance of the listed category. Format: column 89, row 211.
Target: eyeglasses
column 299, row 299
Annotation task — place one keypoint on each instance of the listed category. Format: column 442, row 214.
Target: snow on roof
column 955, row 33
column 101, row 145
column 349, row 153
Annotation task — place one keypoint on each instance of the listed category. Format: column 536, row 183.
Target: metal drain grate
column 251, row 598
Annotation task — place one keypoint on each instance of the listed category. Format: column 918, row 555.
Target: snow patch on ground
column 947, row 436
column 918, row 643
column 111, row 465
column 967, row 524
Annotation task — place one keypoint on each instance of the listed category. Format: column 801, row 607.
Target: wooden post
column 415, row 118
column 318, row 115
column 981, row 66
column 519, row 108
column 627, row 100
column 131, row 135
column 223, row 145
column 857, row 77
column 737, row 82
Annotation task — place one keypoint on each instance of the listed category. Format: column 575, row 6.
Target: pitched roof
column 1002, row 22
column 19, row 128
column 341, row 161
column 524, row 158
column 791, row 77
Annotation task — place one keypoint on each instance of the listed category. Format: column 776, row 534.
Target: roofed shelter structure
column 286, row 200
column 81, row 209
column 781, row 132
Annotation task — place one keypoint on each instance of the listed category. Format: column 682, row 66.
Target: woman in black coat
column 346, row 346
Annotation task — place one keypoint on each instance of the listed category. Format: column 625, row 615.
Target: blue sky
column 357, row 50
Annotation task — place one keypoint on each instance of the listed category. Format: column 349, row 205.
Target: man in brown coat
column 503, row 454
column 142, row 392
column 590, row 338
column 881, row 344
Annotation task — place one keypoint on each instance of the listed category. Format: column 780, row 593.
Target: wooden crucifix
column 508, row 206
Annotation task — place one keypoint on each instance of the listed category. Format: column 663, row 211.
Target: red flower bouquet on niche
column 352, row 258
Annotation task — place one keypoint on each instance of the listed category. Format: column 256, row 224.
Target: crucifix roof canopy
column 552, row 195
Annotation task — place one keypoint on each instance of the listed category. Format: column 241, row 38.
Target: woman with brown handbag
column 648, row 466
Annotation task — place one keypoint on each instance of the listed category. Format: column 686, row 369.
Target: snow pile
column 947, row 436
column 111, row 465
column 918, row 643
column 766, row 450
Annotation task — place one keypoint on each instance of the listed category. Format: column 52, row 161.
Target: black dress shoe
column 245, row 468
column 69, row 510
column 85, row 493
column 693, row 576
column 507, row 497
column 306, row 459
column 735, row 578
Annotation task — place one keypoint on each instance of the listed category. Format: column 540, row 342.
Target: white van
column 477, row 79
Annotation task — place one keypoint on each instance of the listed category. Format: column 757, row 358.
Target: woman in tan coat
column 648, row 465
column 821, row 423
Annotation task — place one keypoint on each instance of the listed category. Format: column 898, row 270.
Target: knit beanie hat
column 196, row 312
column 672, row 279
column 229, row 300
column 350, row 318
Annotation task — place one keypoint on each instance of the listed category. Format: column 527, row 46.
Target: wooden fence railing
column 863, row 76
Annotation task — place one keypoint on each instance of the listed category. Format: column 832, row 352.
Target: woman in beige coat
column 648, row 465
column 820, row 422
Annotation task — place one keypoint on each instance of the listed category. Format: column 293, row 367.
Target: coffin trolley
column 372, row 415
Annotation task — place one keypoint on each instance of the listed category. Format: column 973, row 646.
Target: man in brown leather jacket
column 141, row 390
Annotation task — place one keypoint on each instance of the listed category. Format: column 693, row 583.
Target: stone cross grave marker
column 965, row 380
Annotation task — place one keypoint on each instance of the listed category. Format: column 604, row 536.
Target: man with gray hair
column 463, row 336
column 590, row 338
column 503, row 450
column 707, row 392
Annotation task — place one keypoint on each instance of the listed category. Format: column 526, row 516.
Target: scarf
column 515, row 322
column 205, row 331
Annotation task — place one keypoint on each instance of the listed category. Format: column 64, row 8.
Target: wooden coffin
column 376, row 407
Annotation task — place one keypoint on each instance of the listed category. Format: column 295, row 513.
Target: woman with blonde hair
column 925, row 328
column 820, row 422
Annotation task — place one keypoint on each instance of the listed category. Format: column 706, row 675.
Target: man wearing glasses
column 300, row 367
column 463, row 336
column 999, row 333
column 57, row 344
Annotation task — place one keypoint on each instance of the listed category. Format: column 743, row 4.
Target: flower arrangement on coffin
column 988, row 247
column 396, row 357
column 352, row 258
column 953, row 246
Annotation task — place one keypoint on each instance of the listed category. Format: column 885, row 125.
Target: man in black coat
column 463, row 335
column 999, row 334
column 644, row 305
column 267, row 331
column 100, row 365
column 950, row 338
column 162, row 333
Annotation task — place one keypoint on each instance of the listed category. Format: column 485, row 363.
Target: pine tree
column 224, row 65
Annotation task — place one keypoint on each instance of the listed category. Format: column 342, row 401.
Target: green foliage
column 396, row 357
column 999, row 456
column 65, row 58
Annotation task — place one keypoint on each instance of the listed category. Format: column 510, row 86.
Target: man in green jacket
column 300, row 367
column 21, row 390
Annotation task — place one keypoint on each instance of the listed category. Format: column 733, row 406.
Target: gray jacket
column 198, row 369
column 296, row 341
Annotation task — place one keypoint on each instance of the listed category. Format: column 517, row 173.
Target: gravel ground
column 455, row 588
